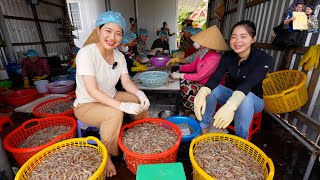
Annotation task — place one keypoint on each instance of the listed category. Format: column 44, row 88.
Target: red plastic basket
column 41, row 110
column 134, row 159
column 20, row 134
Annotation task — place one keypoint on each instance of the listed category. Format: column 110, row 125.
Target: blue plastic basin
column 194, row 124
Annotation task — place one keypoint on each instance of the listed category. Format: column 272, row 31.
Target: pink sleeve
column 192, row 67
column 46, row 67
column 205, row 68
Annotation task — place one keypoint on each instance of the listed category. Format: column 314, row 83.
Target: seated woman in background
column 186, row 42
column 191, row 53
column 34, row 68
column 161, row 44
column 312, row 20
column 197, row 73
column 99, row 67
column 242, row 97
column 165, row 28
column 142, row 48
column 129, row 42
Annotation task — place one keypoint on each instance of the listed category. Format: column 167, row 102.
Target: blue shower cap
column 188, row 29
column 163, row 33
column 195, row 31
column 128, row 36
column 31, row 53
column 143, row 32
column 111, row 17
column 74, row 50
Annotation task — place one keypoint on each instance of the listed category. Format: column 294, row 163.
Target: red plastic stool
column 4, row 120
column 254, row 126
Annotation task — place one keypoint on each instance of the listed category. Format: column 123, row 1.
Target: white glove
column 176, row 75
column 131, row 108
column 145, row 103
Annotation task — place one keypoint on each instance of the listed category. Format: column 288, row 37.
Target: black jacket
column 246, row 77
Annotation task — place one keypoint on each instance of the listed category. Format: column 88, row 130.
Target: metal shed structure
column 40, row 25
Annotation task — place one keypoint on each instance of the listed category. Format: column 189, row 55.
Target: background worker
column 34, row 68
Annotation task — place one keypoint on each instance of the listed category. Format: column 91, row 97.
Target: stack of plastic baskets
column 100, row 174
column 285, row 91
column 19, row 135
column 262, row 159
column 134, row 159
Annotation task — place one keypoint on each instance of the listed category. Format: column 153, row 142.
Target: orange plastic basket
column 41, row 110
column 20, row 134
column 134, row 159
column 285, row 91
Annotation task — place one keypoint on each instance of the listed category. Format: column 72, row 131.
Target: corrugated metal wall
column 23, row 32
column 267, row 15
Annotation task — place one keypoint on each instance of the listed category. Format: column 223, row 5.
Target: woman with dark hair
column 312, row 20
column 246, row 67
column 165, row 28
column 99, row 67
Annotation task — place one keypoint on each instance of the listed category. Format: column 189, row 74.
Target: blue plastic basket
column 153, row 79
column 194, row 124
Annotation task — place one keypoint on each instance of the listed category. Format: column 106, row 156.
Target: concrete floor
column 289, row 156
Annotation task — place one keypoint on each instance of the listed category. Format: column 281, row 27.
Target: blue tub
column 194, row 124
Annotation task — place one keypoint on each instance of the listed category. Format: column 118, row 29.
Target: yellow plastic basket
column 100, row 174
column 285, row 91
column 263, row 160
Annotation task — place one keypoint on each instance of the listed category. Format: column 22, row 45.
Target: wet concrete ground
column 289, row 156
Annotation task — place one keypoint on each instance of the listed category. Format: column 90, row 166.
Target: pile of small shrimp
column 149, row 138
column 74, row 163
column 61, row 107
column 224, row 160
column 44, row 136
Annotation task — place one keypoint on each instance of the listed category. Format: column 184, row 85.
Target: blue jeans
column 243, row 115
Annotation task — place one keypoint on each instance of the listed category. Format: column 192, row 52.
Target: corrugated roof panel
column 49, row 31
column 49, row 12
column 21, row 31
column 16, row 8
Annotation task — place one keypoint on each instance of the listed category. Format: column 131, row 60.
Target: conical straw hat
column 211, row 38
column 93, row 38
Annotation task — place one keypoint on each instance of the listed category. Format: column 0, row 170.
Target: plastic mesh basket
column 134, row 159
column 153, row 78
column 265, row 163
column 285, row 91
column 41, row 110
column 77, row 142
column 17, row 136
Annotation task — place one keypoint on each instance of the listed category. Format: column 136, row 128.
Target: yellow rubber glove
column 135, row 63
column 225, row 114
column 38, row 78
column 200, row 102
column 26, row 83
column 74, row 65
column 173, row 61
column 139, row 68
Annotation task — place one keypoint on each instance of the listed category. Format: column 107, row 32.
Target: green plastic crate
column 166, row 171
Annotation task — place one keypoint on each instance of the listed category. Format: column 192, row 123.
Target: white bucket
column 42, row 86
